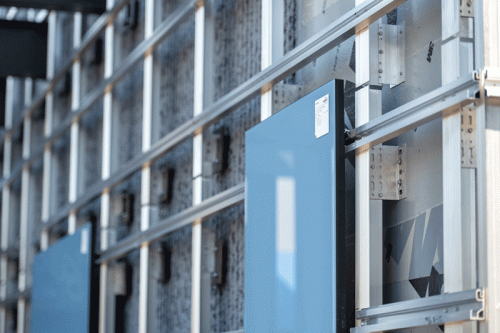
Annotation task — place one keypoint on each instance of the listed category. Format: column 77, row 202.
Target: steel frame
column 275, row 67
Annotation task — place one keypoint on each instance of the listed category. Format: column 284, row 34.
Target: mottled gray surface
column 180, row 159
column 132, row 303
column 64, row 39
column 119, row 229
column 90, row 150
column 127, row 117
column 227, row 303
column 126, row 38
column 170, row 303
column 92, row 73
column 60, row 172
column 174, row 77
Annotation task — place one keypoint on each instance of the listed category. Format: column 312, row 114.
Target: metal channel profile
column 340, row 30
column 204, row 210
column 434, row 310
column 415, row 113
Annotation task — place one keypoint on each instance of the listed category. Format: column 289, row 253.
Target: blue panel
column 61, row 286
column 291, row 220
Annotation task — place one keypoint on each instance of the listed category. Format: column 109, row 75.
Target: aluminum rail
column 11, row 300
column 204, row 210
column 91, row 35
column 434, row 310
column 161, row 32
column 415, row 113
column 343, row 28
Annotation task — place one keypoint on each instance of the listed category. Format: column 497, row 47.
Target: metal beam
column 434, row 310
column 415, row 113
column 204, row 210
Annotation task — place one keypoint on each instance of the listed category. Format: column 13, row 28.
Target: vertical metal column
column 489, row 177
column 147, row 113
column 199, row 71
column 24, row 218
column 75, row 128
column 7, row 152
column 458, row 184
column 272, row 48
column 49, row 109
column 368, row 229
column 106, row 312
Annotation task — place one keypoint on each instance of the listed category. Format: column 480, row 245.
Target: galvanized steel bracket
column 469, row 137
column 388, row 172
column 391, row 54
column 491, row 78
column 467, row 8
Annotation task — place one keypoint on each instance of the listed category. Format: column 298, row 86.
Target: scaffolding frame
column 475, row 188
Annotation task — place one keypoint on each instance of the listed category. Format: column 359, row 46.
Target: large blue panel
column 61, row 286
column 291, row 219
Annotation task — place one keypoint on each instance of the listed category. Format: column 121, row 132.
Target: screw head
column 380, row 195
column 380, row 71
column 469, row 130
column 380, row 51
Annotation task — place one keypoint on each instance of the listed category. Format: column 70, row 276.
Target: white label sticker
column 84, row 242
column 322, row 116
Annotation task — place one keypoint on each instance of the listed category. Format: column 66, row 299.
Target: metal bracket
column 388, row 172
column 467, row 8
column 391, row 54
column 469, row 137
column 434, row 310
column 492, row 82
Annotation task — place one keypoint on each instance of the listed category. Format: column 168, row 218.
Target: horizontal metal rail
column 204, row 210
column 92, row 97
column 343, row 28
column 415, row 113
column 11, row 300
column 434, row 310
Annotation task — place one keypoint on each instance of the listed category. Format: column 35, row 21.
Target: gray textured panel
column 227, row 304
column 170, row 303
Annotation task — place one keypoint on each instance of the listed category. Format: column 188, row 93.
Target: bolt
column 456, row 308
column 400, row 161
column 380, row 51
column 380, row 71
column 400, row 182
column 471, row 162
column 400, row 73
column 380, row 195
column 445, row 310
column 400, row 32
column 470, row 130
column 380, row 33
column 400, row 171
column 373, row 166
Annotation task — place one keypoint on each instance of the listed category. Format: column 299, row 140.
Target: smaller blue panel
column 290, row 230
column 61, row 286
